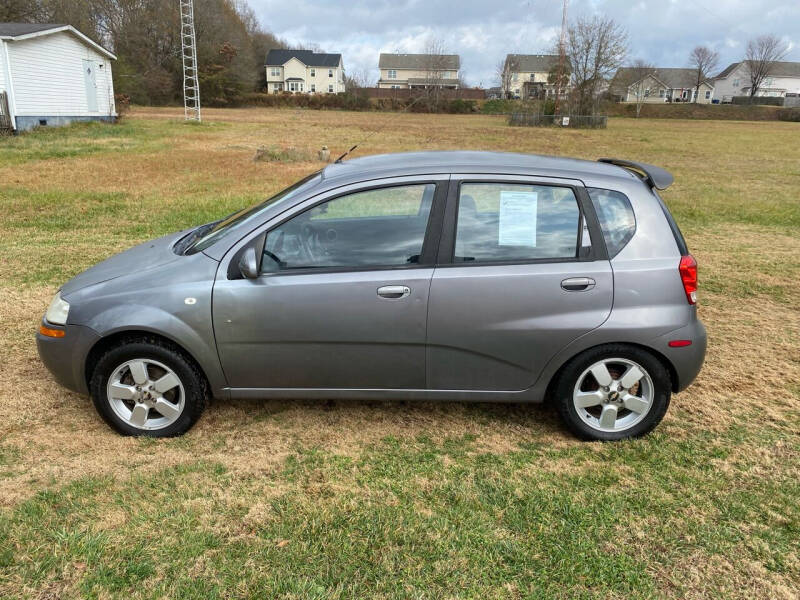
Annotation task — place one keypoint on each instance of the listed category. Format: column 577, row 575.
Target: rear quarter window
column 617, row 221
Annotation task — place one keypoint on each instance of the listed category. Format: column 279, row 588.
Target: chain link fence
column 523, row 119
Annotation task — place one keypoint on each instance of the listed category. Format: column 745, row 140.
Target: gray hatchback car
column 432, row 275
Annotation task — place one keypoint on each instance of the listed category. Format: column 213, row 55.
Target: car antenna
column 373, row 132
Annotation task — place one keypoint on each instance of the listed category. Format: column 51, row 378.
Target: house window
column 313, row 72
column 275, row 71
column 391, row 74
column 661, row 93
column 276, row 86
column 708, row 94
column 313, row 87
column 295, row 86
column 736, row 83
column 395, row 86
column 445, row 74
column 330, row 89
column 768, row 81
column 514, row 76
column 647, row 93
column 330, row 72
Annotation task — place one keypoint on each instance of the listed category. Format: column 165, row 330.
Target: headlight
column 57, row 311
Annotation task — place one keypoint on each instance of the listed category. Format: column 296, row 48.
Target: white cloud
column 483, row 32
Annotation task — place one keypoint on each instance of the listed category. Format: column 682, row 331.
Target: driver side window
column 383, row 227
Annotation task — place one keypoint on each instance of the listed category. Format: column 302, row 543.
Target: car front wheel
column 613, row 392
column 147, row 388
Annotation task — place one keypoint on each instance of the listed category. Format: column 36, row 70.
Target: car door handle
column 393, row 292
column 578, row 284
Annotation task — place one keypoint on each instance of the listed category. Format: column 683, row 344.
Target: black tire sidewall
column 568, row 377
column 193, row 386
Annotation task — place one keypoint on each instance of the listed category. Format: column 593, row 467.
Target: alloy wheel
column 146, row 394
column 614, row 394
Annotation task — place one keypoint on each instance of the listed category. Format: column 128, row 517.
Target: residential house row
column 523, row 76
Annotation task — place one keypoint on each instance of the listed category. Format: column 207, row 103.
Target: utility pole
column 191, row 88
column 562, row 55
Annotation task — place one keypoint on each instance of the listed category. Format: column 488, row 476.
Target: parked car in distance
column 431, row 275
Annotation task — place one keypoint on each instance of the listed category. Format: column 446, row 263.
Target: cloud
column 482, row 32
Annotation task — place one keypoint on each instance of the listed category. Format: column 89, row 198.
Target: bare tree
column 356, row 80
column 505, row 72
column 595, row 48
column 636, row 80
column 434, row 65
column 704, row 62
column 760, row 58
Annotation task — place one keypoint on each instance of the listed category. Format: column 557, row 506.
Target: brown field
column 720, row 474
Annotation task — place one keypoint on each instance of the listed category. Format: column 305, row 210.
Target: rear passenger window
column 507, row 222
column 616, row 218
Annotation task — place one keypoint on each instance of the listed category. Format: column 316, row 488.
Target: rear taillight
column 688, row 271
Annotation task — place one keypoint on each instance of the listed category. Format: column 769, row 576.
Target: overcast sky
column 662, row 32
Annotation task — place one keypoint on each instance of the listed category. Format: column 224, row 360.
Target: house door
column 90, row 83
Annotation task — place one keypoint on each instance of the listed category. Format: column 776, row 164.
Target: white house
column 661, row 85
column 734, row 80
column 526, row 75
column 404, row 71
column 52, row 75
column 304, row 71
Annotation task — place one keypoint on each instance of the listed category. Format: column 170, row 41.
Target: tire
column 635, row 409
column 170, row 405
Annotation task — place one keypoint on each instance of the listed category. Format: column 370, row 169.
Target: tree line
column 145, row 36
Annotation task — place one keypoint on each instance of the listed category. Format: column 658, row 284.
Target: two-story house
column 404, row 71
column 662, row 84
column 528, row 75
column 734, row 80
column 304, row 71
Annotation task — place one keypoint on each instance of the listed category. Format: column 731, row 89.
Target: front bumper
column 65, row 357
column 687, row 360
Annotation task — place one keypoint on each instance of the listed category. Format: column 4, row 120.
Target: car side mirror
column 248, row 263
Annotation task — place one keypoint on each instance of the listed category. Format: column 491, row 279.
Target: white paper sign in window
column 518, row 219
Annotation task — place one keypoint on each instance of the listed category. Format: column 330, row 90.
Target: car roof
column 509, row 163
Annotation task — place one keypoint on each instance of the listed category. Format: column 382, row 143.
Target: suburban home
column 527, row 75
column 404, row 71
column 304, row 71
column 734, row 80
column 661, row 85
column 52, row 75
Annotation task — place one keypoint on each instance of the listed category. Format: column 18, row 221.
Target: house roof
column 727, row 70
column 779, row 69
column 25, row 31
column 420, row 62
column 672, row 78
column 533, row 63
column 15, row 29
column 277, row 57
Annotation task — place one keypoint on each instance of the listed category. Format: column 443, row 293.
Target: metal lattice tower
column 191, row 88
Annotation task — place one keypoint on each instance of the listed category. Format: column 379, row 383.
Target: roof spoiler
column 654, row 176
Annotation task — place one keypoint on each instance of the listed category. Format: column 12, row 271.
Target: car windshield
column 205, row 236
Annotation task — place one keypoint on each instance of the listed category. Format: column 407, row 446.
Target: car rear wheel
column 148, row 388
column 613, row 392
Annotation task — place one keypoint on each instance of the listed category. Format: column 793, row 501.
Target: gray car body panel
column 150, row 288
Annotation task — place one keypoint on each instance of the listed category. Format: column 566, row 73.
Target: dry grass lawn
column 354, row 499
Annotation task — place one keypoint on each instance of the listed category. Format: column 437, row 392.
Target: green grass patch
column 413, row 518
